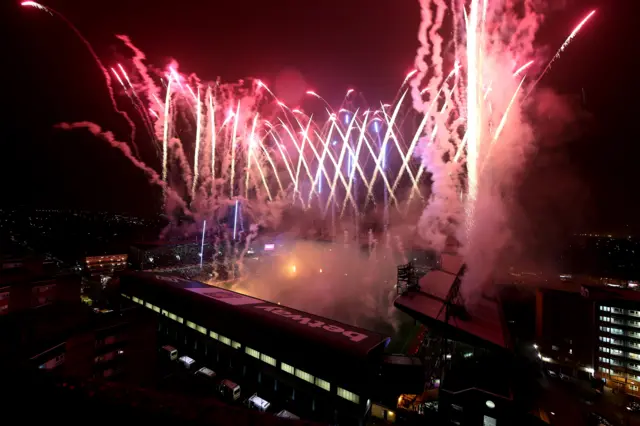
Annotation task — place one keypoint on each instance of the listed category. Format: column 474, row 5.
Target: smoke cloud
column 483, row 128
column 333, row 280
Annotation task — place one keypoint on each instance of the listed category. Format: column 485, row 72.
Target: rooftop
column 610, row 293
column 245, row 317
column 482, row 321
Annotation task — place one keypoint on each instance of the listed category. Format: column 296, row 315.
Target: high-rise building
column 594, row 333
column 617, row 343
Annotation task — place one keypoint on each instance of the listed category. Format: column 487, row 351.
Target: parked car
column 206, row 373
column 187, row 362
column 169, row 352
column 229, row 390
column 257, row 403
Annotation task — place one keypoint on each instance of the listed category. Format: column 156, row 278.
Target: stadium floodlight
column 235, row 221
column 204, row 227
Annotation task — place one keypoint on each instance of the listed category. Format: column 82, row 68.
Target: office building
column 617, row 341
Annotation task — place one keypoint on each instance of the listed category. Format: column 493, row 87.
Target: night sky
column 588, row 178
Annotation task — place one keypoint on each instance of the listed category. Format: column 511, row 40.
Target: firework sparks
column 36, row 5
column 564, row 46
column 196, row 156
column 118, row 77
column 522, row 68
column 165, row 134
column 456, row 119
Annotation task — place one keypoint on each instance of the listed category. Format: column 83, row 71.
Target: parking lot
column 174, row 376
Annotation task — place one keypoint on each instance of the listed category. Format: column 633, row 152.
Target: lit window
column 201, row 329
column 252, row 352
column 165, row 313
column 616, row 331
column 287, row 368
column 180, row 319
column 349, row 396
column 191, row 324
column 124, row 295
column 323, row 384
column 156, row 308
column 305, row 376
column 213, row 335
column 173, row 316
column 148, row 305
column 225, row 340
column 235, row 345
column 269, row 360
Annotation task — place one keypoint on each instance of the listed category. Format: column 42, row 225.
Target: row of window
column 611, row 361
column 620, row 311
column 303, row 375
column 612, row 351
column 631, row 323
column 621, row 374
column 614, row 341
column 611, row 330
column 620, row 332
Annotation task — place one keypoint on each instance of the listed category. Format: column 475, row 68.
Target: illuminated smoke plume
column 477, row 137
column 330, row 280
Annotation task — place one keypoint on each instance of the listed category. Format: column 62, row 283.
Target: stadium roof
column 482, row 321
column 249, row 319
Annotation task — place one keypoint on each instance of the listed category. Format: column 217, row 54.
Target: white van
column 186, row 362
column 170, row 352
column 257, row 403
column 229, row 390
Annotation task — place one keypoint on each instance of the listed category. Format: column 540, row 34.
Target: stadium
column 354, row 360
column 310, row 365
